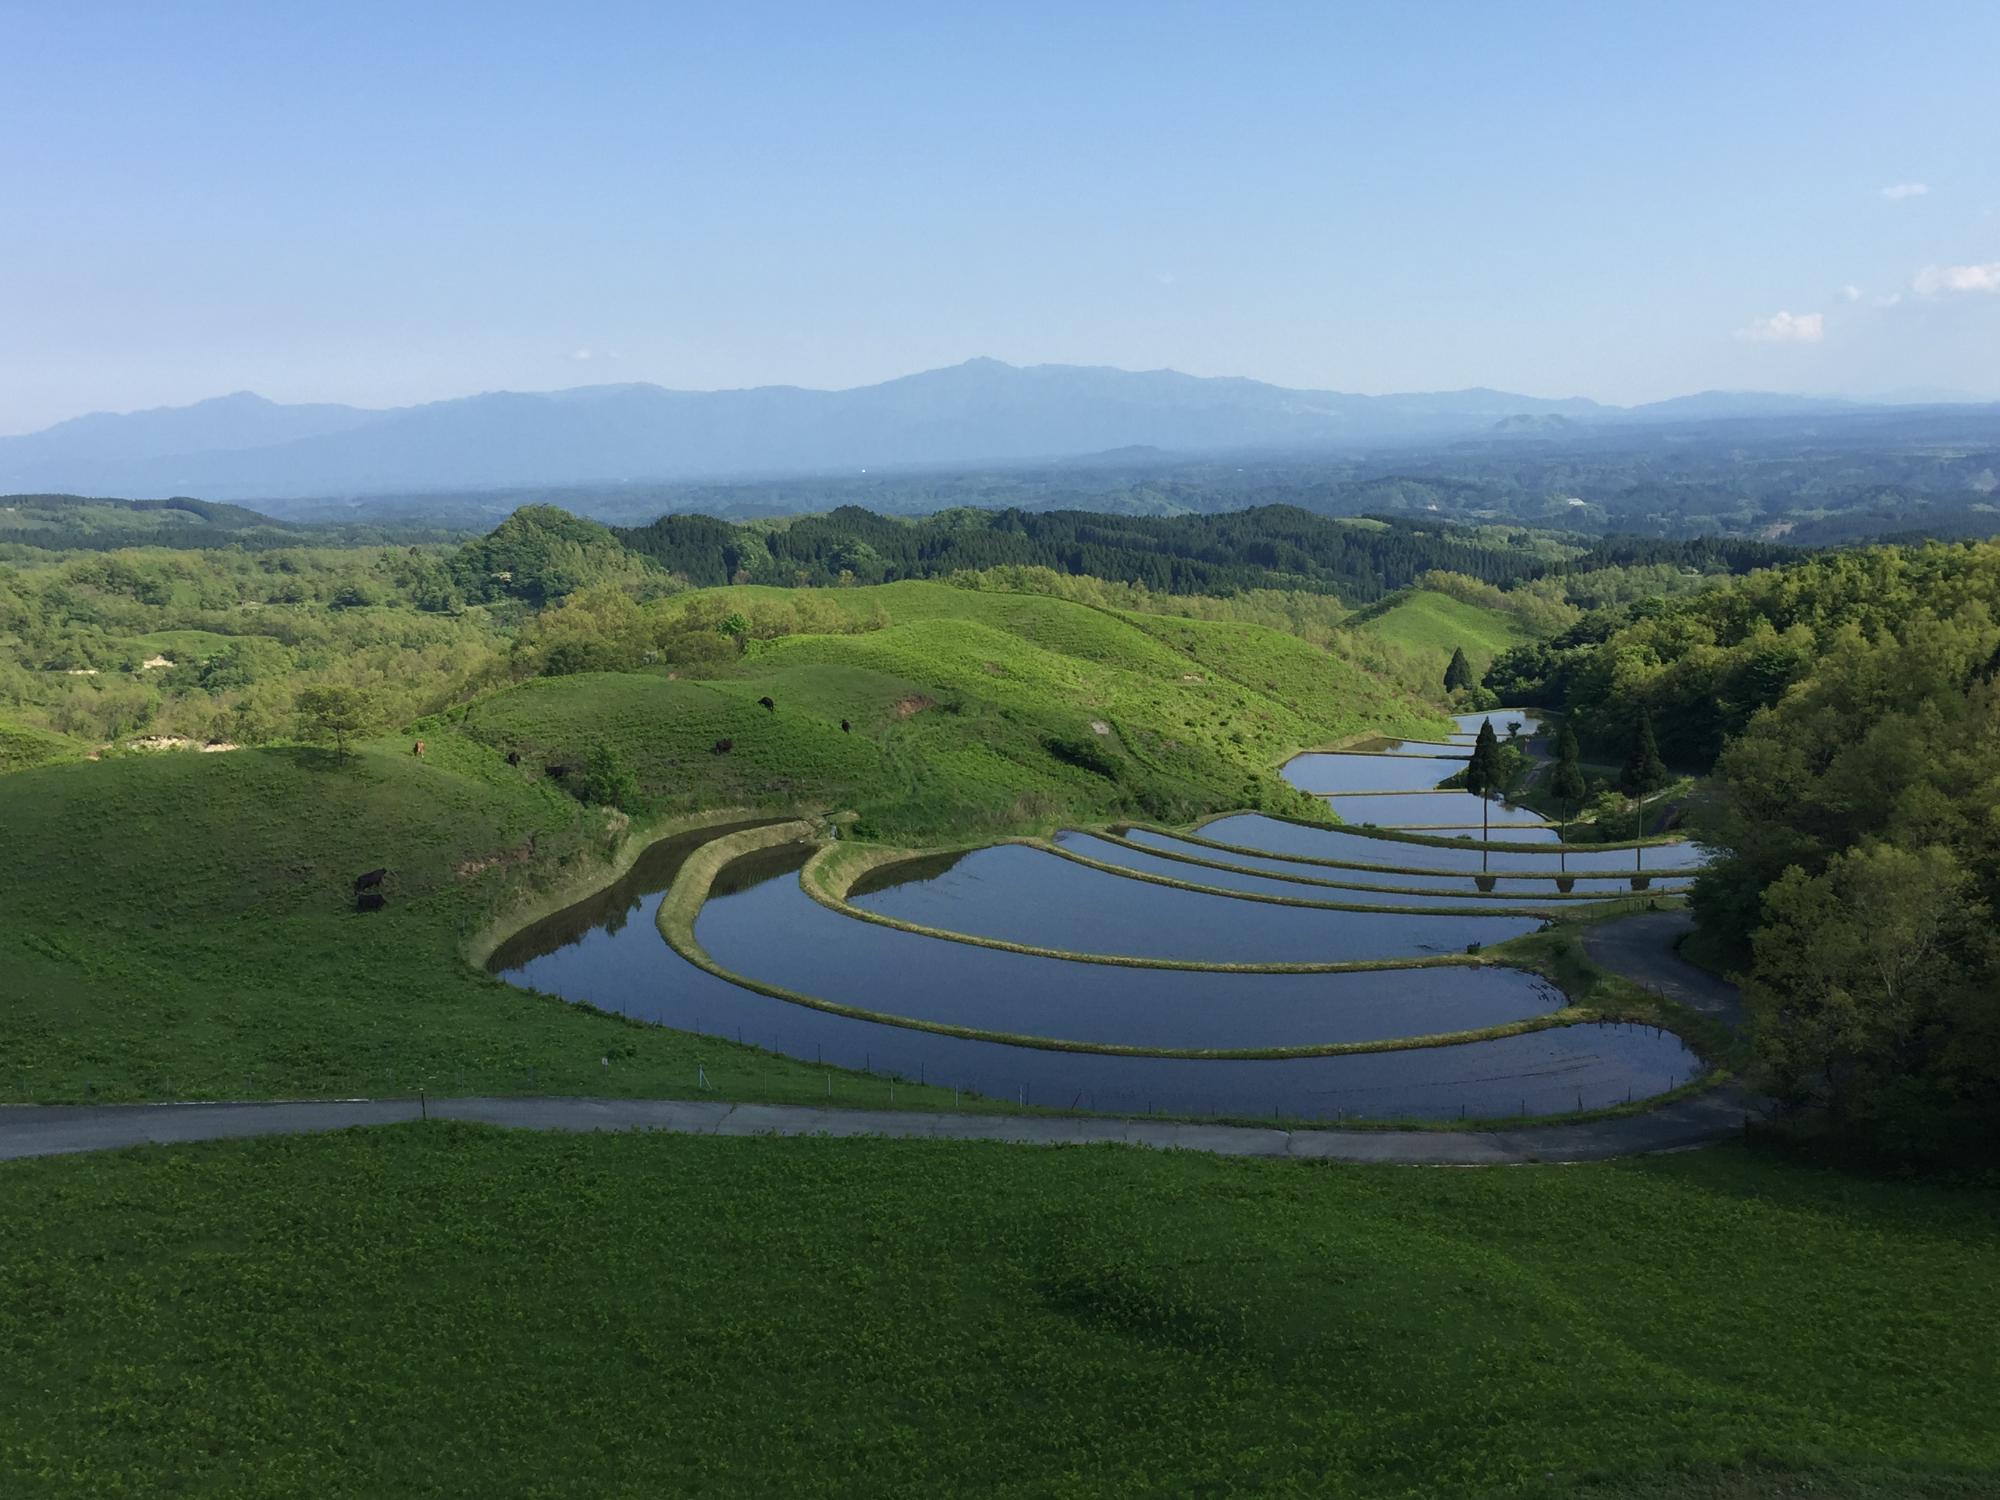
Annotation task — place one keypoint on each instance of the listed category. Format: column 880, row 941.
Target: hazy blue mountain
column 242, row 420
column 981, row 412
column 242, row 447
column 1706, row 404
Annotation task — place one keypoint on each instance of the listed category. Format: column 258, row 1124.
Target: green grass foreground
column 455, row 1310
column 189, row 933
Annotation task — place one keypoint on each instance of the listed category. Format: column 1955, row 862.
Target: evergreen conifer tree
column 1643, row 773
column 1567, row 782
column 1483, row 771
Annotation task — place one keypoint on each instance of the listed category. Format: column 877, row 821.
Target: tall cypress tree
column 1567, row 782
column 1483, row 772
column 1459, row 673
column 1643, row 773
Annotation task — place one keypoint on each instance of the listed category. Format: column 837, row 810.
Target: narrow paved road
column 1644, row 950
column 52, row 1130
column 1640, row 947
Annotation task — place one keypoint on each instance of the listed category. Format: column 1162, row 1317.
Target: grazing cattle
column 370, row 901
column 557, row 769
column 845, row 727
column 767, row 705
column 418, row 748
column 372, row 881
column 723, row 747
column 513, row 757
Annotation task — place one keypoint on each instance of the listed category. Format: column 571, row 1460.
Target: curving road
column 1640, row 947
column 1645, row 949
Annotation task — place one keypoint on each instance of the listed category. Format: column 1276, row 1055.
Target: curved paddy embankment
column 1139, row 1038
column 1255, row 966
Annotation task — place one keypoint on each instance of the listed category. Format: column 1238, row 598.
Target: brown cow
column 418, row 748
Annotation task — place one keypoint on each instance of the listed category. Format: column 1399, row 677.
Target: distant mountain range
column 243, row 447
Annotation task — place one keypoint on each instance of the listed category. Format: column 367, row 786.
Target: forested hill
column 1273, row 546
column 78, row 523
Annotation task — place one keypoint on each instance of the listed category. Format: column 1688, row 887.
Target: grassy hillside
column 196, row 935
column 197, row 939
column 22, row 747
column 1431, row 625
column 459, row 1311
column 955, row 707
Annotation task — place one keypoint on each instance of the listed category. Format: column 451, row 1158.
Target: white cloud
column 1896, row 192
column 1850, row 293
column 582, row 354
column 1784, row 327
column 1980, row 278
column 1890, row 300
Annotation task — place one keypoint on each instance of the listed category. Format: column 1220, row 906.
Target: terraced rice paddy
column 1038, row 974
column 762, row 925
column 1421, row 810
column 1504, row 720
column 1393, row 783
column 1354, row 772
column 1267, row 835
column 1194, row 858
column 1021, row 895
column 1297, row 882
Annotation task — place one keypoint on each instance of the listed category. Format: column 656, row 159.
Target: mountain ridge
column 243, row 447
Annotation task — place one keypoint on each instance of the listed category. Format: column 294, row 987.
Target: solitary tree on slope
column 1459, row 673
column 1483, row 772
column 1567, row 782
column 1642, row 774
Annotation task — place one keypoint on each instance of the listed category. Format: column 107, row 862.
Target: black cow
column 372, row 881
column 513, row 757
column 767, row 705
column 557, row 769
column 845, row 727
column 723, row 747
column 370, row 901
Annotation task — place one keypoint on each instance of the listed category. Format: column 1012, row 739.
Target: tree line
column 1849, row 709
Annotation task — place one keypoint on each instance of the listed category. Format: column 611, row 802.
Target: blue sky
column 394, row 203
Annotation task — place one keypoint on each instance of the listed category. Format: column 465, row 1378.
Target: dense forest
column 1277, row 546
column 77, row 523
column 1849, row 710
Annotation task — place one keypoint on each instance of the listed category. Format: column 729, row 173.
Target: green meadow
column 185, row 927
column 1431, row 626
column 455, row 1310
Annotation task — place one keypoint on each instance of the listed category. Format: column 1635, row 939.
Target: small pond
column 1024, row 895
column 609, row 953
